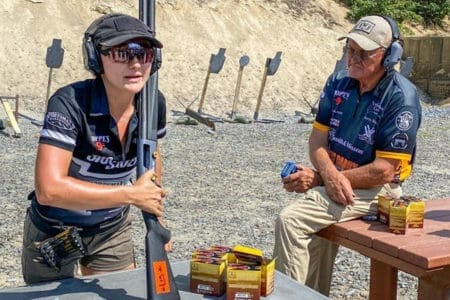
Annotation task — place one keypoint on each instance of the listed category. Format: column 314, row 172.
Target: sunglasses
column 362, row 55
column 124, row 54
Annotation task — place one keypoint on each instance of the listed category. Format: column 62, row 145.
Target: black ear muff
column 91, row 56
column 394, row 52
column 157, row 60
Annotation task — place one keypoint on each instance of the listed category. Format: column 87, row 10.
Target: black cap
column 119, row 28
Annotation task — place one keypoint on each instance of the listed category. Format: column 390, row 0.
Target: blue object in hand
column 288, row 169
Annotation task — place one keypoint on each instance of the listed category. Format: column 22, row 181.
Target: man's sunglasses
column 125, row 53
column 362, row 55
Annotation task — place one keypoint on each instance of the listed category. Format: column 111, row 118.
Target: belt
column 53, row 226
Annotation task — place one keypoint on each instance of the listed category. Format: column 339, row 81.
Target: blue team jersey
column 379, row 123
column 78, row 120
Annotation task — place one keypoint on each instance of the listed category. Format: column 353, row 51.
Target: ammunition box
column 207, row 276
column 384, row 204
column 406, row 212
column 241, row 271
column 267, row 277
column 243, row 284
column 398, row 216
column 416, row 212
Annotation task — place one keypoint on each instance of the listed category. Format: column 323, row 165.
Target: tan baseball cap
column 370, row 33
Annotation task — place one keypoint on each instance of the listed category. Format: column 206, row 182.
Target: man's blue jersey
column 78, row 120
column 380, row 123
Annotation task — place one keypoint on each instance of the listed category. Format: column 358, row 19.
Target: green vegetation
column 429, row 13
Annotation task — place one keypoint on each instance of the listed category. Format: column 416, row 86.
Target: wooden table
column 424, row 253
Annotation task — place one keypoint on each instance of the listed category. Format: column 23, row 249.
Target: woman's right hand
column 146, row 195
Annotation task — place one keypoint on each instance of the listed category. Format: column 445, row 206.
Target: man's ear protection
column 394, row 53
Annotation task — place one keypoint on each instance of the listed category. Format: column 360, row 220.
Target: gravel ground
column 223, row 188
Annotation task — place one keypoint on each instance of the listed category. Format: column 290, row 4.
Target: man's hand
column 338, row 187
column 146, row 195
column 304, row 179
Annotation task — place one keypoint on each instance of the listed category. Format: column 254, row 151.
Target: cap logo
column 365, row 26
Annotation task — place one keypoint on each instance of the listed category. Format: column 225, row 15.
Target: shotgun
column 160, row 281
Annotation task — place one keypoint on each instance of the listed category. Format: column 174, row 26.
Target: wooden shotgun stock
column 160, row 281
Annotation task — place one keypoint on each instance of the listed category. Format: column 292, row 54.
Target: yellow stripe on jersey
column 393, row 155
column 320, row 127
column 405, row 167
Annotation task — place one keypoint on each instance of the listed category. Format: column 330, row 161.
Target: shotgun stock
column 160, row 281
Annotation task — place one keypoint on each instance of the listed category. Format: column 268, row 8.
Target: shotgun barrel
column 160, row 281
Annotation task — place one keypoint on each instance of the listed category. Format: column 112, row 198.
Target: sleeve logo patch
column 399, row 141
column 59, row 120
column 404, row 120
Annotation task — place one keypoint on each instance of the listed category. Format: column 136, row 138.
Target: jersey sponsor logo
column 100, row 141
column 348, row 145
column 404, row 120
column 100, row 138
column 337, row 112
column 86, row 171
column 376, row 108
column 99, row 145
column 399, row 141
column 59, row 120
column 369, row 120
column 110, row 163
column 374, row 113
column 334, row 122
column 340, row 96
column 367, row 136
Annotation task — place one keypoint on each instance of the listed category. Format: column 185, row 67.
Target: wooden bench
column 424, row 253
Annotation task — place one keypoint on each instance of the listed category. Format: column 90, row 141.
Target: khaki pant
column 306, row 257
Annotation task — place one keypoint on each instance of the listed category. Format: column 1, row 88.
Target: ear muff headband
column 394, row 28
column 394, row 53
column 91, row 55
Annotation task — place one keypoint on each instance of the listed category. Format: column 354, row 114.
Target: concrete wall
column 431, row 64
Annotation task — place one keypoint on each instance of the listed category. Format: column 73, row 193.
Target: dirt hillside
column 191, row 31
